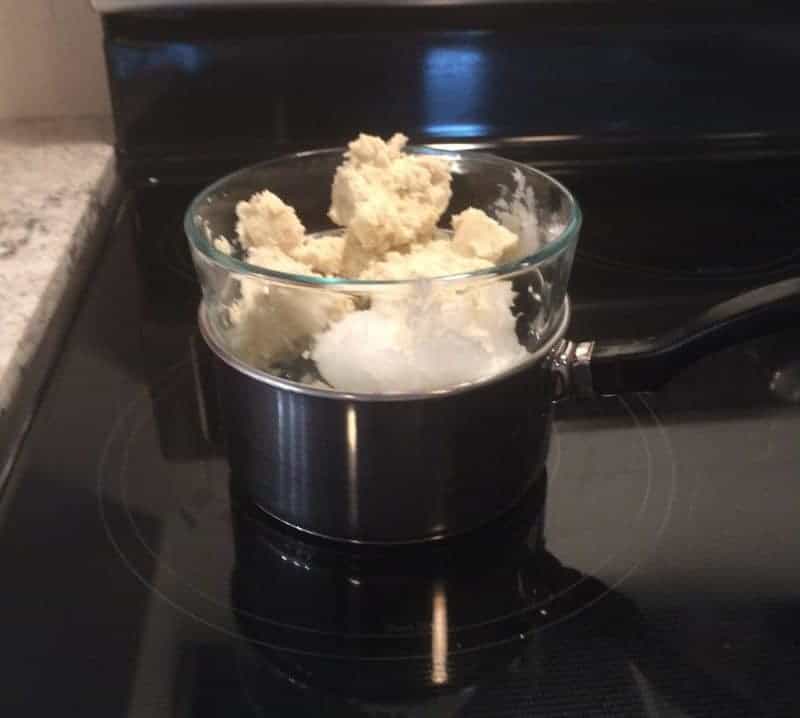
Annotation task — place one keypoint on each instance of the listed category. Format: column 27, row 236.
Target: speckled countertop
column 57, row 175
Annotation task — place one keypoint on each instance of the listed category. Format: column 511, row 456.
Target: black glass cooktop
column 661, row 578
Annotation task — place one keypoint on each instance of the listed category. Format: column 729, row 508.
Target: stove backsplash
column 221, row 88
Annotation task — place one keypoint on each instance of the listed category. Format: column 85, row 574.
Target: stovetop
column 662, row 579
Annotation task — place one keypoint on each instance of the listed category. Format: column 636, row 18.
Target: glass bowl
column 409, row 337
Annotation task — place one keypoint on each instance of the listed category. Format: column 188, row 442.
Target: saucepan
column 402, row 411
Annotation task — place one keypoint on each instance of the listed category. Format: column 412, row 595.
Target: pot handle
column 613, row 367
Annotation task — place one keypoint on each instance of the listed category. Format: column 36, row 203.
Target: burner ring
column 619, row 566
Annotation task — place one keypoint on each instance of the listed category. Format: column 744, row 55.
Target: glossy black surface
column 661, row 581
column 232, row 88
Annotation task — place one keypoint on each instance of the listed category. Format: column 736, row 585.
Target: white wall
column 51, row 59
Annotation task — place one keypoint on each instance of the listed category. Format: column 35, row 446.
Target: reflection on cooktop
column 577, row 632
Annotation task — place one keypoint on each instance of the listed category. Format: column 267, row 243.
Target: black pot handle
column 647, row 364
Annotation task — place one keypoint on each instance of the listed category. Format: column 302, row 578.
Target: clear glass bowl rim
column 198, row 239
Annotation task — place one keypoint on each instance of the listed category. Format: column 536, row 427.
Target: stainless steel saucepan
column 436, row 420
